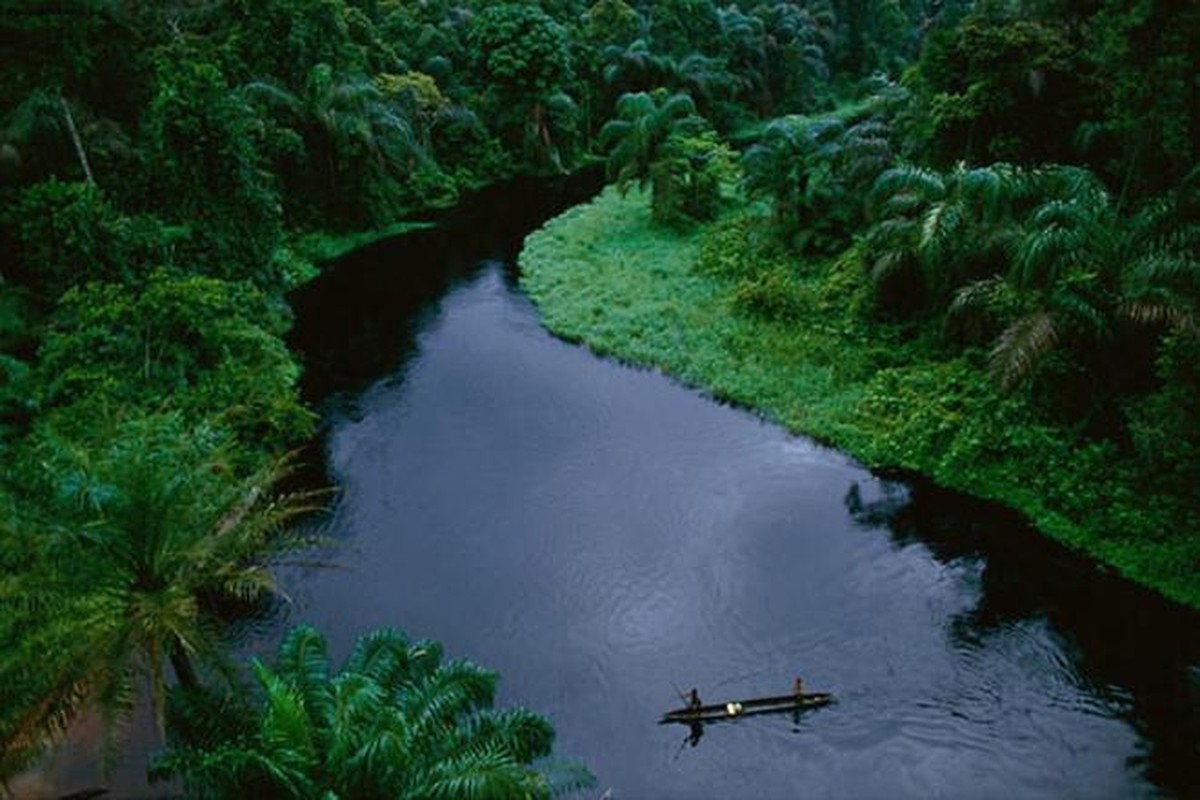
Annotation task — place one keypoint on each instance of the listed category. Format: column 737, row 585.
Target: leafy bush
column 771, row 294
column 736, row 248
column 688, row 176
column 203, row 345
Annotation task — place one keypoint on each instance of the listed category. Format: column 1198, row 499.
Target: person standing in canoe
column 694, row 703
column 798, row 688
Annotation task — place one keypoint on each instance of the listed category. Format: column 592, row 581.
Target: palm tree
column 352, row 133
column 783, row 163
column 635, row 137
column 943, row 230
column 706, row 79
column 634, row 68
column 1065, row 267
column 801, row 37
column 395, row 721
column 743, row 40
column 1162, row 284
column 164, row 543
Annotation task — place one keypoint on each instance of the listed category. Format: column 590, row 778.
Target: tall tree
column 635, row 136
column 523, row 58
column 202, row 145
column 174, row 541
column 155, row 539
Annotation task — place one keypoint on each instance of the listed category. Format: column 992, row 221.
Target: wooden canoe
column 745, row 708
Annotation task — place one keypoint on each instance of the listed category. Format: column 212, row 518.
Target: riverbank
column 789, row 341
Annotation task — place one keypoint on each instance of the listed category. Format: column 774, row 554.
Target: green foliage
column 611, row 22
column 736, row 248
column 1000, row 86
column 522, row 56
column 874, row 35
column 201, row 138
column 521, row 48
column 360, row 148
column 688, row 176
column 395, row 721
column 684, row 26
column 1162, row 423
column 67, row 234
column 1140, row 60
column 150, row 539
column 771, row 294
column 283, row 39
column 781, row 53
column 206, row 347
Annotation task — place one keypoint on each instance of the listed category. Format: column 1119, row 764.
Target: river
column 604, row 537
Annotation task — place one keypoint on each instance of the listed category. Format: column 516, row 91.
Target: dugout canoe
column 744, row 708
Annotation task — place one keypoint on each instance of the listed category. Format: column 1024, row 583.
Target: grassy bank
column 749, row 326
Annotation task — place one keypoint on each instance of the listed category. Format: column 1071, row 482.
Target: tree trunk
column 79, row 151
column 185, row 671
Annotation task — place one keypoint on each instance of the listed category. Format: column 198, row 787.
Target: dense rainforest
column 1007, row 190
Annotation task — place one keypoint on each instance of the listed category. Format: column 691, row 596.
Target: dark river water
column 604, row 537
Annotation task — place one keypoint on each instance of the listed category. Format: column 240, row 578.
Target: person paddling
column 798, row 689
column 694, row 703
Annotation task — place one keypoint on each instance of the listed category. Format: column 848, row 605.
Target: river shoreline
column 601, row 275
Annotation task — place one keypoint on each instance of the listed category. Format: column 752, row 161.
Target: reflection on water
column 602, row 536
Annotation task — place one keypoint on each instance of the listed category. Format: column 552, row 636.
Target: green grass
column 754, row 327
column 321, row 247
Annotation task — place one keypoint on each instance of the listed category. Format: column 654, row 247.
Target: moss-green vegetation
column 322, row 247
column 725, row 309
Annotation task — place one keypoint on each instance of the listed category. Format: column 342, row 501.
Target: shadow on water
column 360, row 319
column 1137, row 651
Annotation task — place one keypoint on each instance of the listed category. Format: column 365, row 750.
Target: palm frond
column 1162, row 310
column 1022, row 345
column 272, row 96
column 889, row 265
column 979, row 295
column 482, row 775
column 382, row 655
column 519, row 731
column 286, row 728
column 910, row 180
column 304, row 663
column 457, row 688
